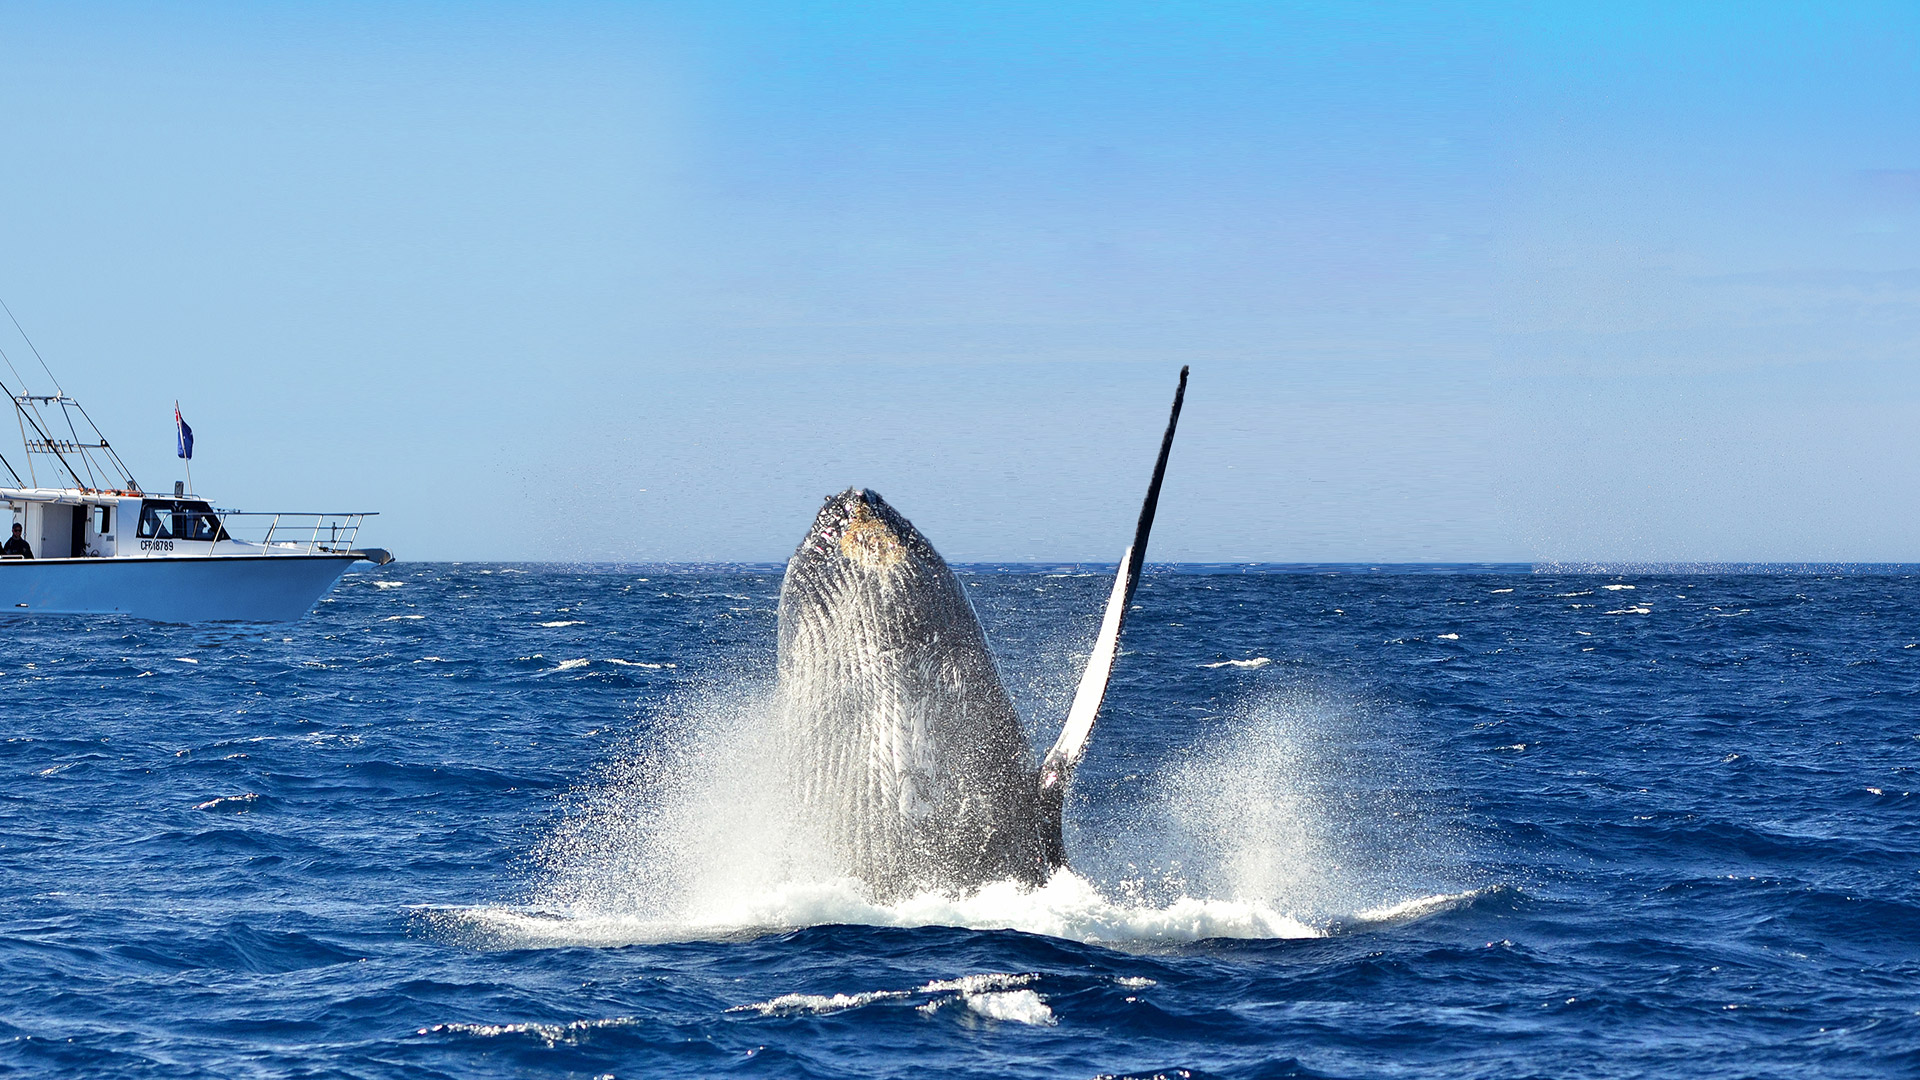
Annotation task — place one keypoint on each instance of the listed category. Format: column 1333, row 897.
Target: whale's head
column 907, row 753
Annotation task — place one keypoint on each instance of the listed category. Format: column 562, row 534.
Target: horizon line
column 1596, row 566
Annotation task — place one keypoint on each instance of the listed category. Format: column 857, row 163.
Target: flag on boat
column 183, row 434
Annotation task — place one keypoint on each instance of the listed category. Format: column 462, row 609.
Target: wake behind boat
column 100, row 544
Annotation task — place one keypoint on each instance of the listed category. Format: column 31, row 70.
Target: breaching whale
column 909, row 764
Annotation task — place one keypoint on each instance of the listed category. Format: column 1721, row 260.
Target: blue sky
column 1607, row 282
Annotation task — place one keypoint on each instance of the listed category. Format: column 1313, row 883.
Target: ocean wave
column 549, row 1035
column 1413, row 910
column 1738, row 814
column 993, row 995
column 820, row 1004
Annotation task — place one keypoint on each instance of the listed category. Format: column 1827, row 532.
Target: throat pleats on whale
column 909, row 760
column 909, row 763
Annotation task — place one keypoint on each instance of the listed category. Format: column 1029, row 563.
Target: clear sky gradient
column 625, row 281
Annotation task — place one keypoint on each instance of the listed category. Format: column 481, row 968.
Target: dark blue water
column 1437, row 824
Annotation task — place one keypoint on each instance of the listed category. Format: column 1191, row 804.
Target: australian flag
column 183, row 433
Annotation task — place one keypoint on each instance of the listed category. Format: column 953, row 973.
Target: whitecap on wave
column 993, row 995
column 550, row 1035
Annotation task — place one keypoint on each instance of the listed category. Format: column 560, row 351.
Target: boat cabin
column 71, row 524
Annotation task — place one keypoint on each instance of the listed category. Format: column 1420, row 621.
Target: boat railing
column 285, row 533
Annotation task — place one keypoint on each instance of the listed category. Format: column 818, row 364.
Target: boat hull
column 270, row 588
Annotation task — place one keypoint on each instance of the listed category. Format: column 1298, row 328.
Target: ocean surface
column 486, row 820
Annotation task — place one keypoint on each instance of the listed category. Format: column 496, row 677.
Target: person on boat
column 16, row 547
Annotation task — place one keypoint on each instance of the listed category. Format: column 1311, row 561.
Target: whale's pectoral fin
column 1057, row 770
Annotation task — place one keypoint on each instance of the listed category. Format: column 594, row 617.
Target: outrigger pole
column 29, row 414
column 20, row 410
column 58, row 449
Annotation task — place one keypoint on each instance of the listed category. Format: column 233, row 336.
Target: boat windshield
column 179, row 519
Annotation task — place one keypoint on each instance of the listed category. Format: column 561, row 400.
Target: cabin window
column 197, row 521
column 194, row 523
column 156, row 521
column 168, row 519
column 102, row 520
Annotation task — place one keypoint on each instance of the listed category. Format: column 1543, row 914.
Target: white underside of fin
column 1093, row 681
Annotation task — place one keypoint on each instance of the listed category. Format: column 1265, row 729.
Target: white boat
column 102, row 545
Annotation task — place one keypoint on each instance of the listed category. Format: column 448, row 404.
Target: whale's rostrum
column 909, row 764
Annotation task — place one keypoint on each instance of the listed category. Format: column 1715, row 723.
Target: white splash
column 1264, row 830
column 1019, row 1006
column 1256, row 662
column 1067, row 906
